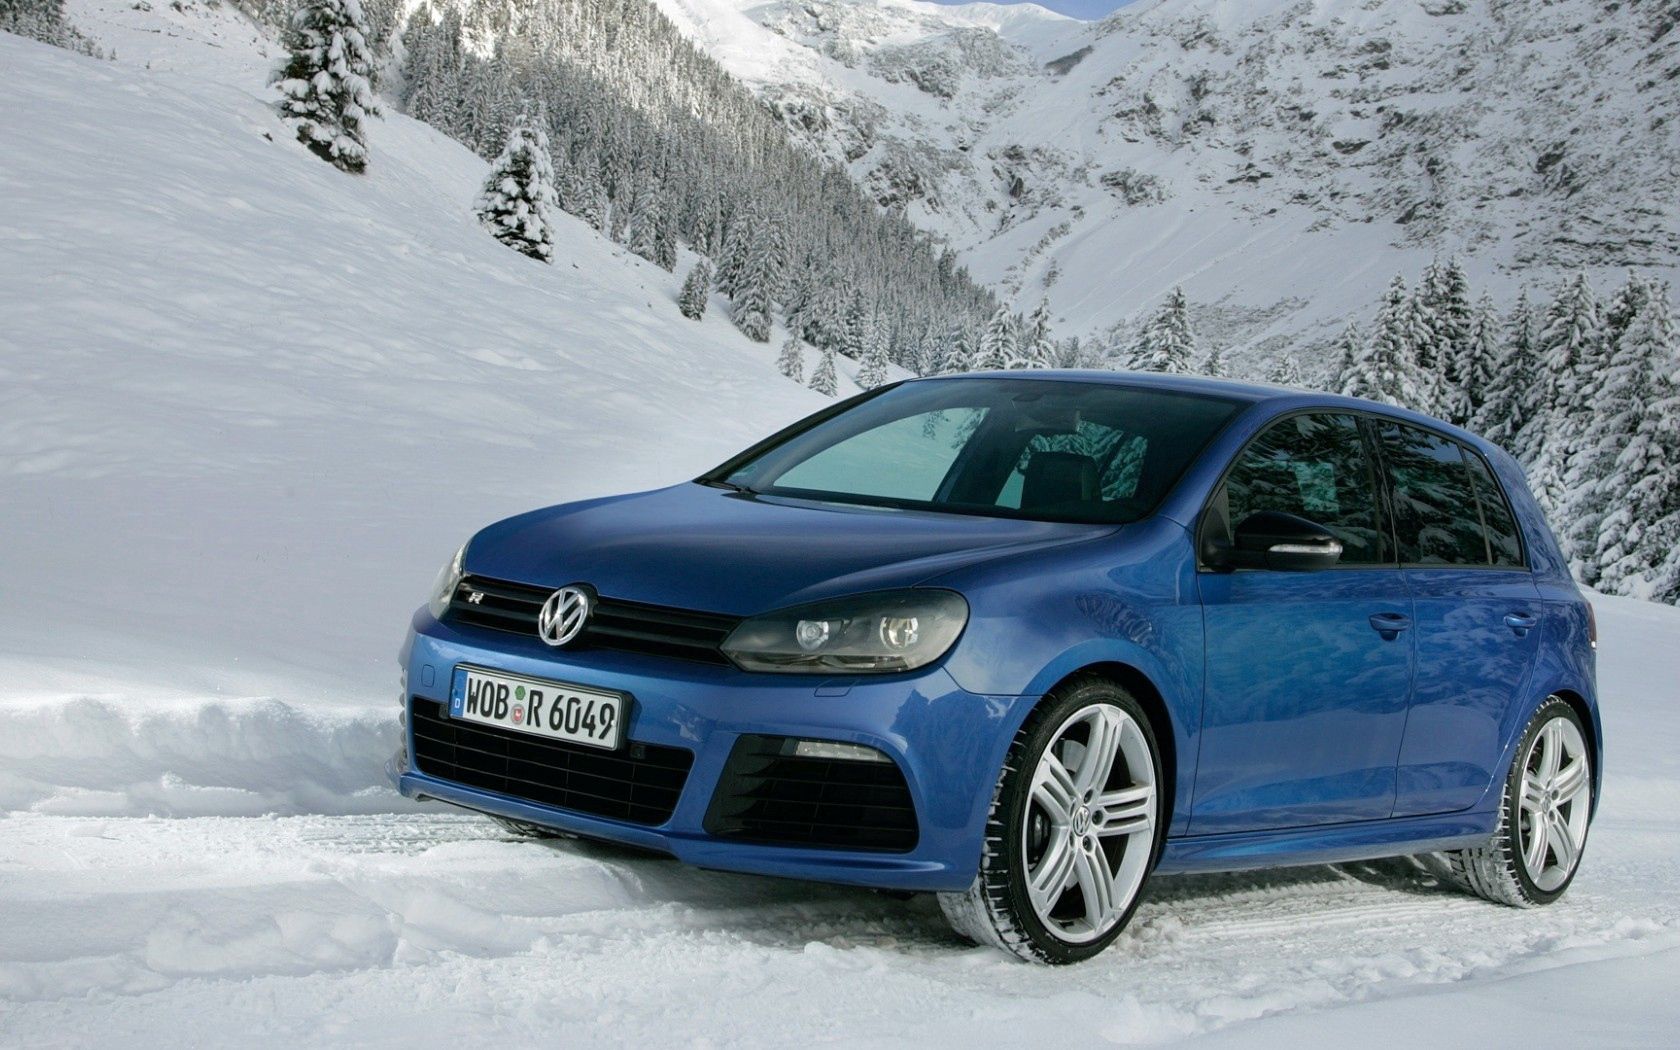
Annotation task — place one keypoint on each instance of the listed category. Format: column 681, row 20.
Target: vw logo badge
column 563, row 615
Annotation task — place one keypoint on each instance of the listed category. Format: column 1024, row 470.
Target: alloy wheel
column 1090, row 827
column 1554, row 804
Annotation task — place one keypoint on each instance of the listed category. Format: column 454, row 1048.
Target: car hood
column 698, row 547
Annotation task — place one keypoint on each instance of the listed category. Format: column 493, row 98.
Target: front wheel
column 1074, row 829
column 1543, row 817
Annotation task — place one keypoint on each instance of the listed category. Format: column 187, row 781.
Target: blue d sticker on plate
column 457, row 693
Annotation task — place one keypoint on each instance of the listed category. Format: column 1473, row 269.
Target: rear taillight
column 1592, row 626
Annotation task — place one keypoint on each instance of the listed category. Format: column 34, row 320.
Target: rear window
column 1440, row 514
column 1047, row 449
column 1504, row 542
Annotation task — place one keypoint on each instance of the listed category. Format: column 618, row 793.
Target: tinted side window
column 1314, row 466
column 1437, row 519
column 1503, row 541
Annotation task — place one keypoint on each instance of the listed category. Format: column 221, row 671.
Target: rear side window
column 1504, row 544
column 1316, row 467
column 1437, row 515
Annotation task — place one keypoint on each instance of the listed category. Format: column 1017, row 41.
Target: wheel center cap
column 1081, row 820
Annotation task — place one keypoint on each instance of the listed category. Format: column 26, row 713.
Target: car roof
column 1278, row 399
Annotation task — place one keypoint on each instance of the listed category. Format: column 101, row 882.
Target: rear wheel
column 1544, row 812
column 1073, row 831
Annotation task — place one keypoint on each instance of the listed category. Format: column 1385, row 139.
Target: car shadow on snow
column 791, row 914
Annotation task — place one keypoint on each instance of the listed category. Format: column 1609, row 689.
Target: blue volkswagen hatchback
column 1021, row 640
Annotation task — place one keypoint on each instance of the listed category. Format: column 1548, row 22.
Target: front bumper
column 949, row 744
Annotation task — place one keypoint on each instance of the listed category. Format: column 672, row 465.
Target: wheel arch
column 1588, row 714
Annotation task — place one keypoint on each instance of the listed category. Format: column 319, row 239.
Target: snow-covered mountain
column 1279, row 158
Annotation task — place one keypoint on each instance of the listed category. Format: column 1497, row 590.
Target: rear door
column 1477, row 611
column 1307, row 673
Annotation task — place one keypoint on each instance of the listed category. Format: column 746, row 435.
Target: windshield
column 1050, row 450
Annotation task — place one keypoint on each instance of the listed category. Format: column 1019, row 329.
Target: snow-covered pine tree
column 1423, row 355
column 1507, row 405
column 1569, row 345
column 791, row 363
column 1382, row 368
column 1629, row 381
column 1623, row 306
column 997, row 342
column 752, row 297
column 1168, row 342
column 1478, row 362
column 737, row 246
column 1638, row 542
column 696, row 291
column 1214, row 364
column 645, row 217
column 1350, row 352
column 1038, row 351
column 1286, row 370
column 958, row 355
column 618, row 217
column 872, row 370
column 775, row 261
column 517, row 200
column 665, row 243
column 824, row 378
column 325, row 82
column 854, row 328
column 1450, row 318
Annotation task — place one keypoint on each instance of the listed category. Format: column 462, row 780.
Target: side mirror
column 1271, row 539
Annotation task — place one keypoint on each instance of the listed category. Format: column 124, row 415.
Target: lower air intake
column 770, row 794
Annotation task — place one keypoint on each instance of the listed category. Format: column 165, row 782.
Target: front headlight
column 443, row 588
column 870, row 633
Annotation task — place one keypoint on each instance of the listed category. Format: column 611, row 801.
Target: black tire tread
column 1491, row 870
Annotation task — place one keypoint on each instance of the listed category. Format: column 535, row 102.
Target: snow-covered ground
column 431, row 928
column 248, row 404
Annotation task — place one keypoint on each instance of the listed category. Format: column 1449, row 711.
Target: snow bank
column 115, row 756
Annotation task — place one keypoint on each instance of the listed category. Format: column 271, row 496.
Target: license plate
column 557, row 710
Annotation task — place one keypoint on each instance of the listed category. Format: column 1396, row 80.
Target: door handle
column 1389, row 624
column 1521, row 622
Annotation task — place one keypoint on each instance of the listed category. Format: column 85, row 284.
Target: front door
column 1307, row 673
column 1477, row 613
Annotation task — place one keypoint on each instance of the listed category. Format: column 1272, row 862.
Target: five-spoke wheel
column 1546, row 808
column 1073, row 831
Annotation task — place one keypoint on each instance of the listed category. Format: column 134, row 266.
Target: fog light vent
column 789, row 791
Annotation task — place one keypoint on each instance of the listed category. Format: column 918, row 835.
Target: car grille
column 639, row 783
column 768, row 794
column 613, row 624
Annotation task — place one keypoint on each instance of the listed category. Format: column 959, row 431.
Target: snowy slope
column 1279, row 159
column 250, row 403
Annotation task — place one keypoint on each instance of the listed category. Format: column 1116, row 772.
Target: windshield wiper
column 720, row 483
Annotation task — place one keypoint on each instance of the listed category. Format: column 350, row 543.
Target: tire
column 1048, row 823
column 1552, row 794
